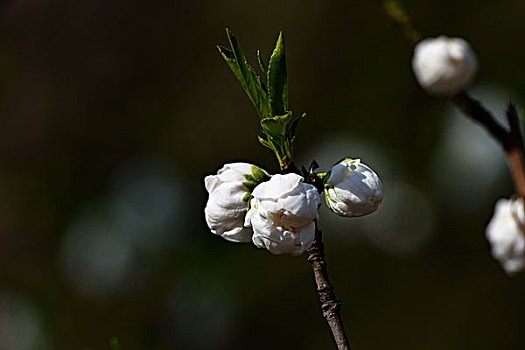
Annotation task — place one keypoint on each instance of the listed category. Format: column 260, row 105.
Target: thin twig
column 330, row 306
column 476, row 111
column 511, row 140
column 399, row 16
column 515, row 150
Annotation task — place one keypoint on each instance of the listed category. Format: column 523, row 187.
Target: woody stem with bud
column 279, row 126
column 330, row 306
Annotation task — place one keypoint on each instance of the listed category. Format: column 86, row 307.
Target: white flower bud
column 506, row 234
column 227, row 205
column 353, row 189
column 282, row 214
column 444, row 66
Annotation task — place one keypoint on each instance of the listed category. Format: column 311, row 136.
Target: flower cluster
column 506, row 234
column 278, row 212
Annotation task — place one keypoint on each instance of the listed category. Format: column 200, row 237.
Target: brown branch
column 473, row 108
column 511, row 141
column 330, row 306
column 515, row 150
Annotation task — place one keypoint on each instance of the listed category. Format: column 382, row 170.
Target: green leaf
column 250, row 81
column 229, row 57
column 275, row 128
column 265, row 143
column 277, row 79
column 294, row 125
column 261, row 63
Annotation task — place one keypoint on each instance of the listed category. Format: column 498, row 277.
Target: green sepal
column 277, row 79
column 328, row 197
column 327, row 187
column 322, row 176
column 257, row 176
column 250, row 185
column 325, row 177
column 247, row 198
column 250, row 81
column 347, row 160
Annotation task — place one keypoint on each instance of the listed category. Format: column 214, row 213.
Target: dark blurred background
column 112, row 113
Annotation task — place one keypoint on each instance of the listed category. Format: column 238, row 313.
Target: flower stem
column 330, row 306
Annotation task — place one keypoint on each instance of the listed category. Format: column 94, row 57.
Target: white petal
column 230, row 195
column 262, row 231
column 444, row 65
column 506, row 234
column 238, row 234
column 278, row 186
column 220, row 219
column 234, row 172
column 307, row 237
column 210, row 182
column 301, row 206
column 338, row 173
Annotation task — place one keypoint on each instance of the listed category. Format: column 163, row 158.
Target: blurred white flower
column 506, row 234
column 353, row 189
column 444, row 66
column 21, row 327
column 227, row 205
column 282, row 214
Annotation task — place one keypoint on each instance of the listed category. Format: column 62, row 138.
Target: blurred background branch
column 511, row 139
